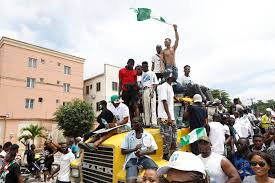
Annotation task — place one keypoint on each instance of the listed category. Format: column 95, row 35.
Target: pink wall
column 13, row 90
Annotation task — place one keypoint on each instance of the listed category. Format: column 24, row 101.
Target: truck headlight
column 75, row 172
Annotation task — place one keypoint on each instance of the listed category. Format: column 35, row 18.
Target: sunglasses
column 260, row 163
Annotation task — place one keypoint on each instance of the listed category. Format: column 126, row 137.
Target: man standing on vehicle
column 128, row 88
column 168, row 126
column 167, row 56
column 64, row 168
column 137, row 146
column 156, row 63
column 149, row 82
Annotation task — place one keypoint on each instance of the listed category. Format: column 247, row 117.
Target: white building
column 102, row 86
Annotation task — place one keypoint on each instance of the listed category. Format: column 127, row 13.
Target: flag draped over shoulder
column 193, row 136
column 145, row 14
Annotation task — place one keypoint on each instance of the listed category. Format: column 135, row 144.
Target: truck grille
column 97, row 166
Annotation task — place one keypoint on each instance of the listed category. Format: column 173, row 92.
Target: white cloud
column 228, row 43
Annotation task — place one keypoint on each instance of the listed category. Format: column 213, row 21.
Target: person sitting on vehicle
column 104, row 119
column 258, row 144
column 10, row 173
column 137, row 146
column 220, row 169
column 184, row 167
column 191, row 88
column 64, row 167
column 121, row 118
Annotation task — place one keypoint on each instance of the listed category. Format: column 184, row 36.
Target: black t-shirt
column 30, row 156
column 48, row 151
column 107, row 115
column 197, row 115
column 14, row 173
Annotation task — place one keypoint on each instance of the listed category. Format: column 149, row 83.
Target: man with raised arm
column 167, row 55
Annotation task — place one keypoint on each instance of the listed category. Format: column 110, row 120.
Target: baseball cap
column 184, row 161
column 197, row 98
column 204, row 138
column 115, row 99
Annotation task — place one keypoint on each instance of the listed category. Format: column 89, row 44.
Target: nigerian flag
column 193, row 136
column 145, row 14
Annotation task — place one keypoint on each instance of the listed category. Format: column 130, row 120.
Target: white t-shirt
column 184, row 80
column 121, row 112
column 165, row 92
column 213, row 167
column 243, row 127
column 147, row 141
column 64, row 172
column 148, row 79
column 251, row 179
column 217, row 136
column 156, row 60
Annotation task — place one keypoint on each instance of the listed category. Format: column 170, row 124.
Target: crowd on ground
column 11, row 161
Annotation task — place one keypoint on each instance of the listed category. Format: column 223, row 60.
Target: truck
column 105, row 165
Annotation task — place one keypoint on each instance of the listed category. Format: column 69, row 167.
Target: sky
column 230, row 45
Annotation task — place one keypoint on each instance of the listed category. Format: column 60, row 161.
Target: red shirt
column 127, row 76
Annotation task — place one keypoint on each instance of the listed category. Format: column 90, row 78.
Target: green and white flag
column 193, row 136
column 145, row 14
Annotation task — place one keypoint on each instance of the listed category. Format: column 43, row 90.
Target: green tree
column 222, row 95
column 32, row 132
column 75, row 118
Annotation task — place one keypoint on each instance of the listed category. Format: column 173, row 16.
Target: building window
column 97, row 86
column 67, row 70
column 114, row 86
column 58, row 64
column 64, row 103
column 42, row 80
column 30, row 82
column 29, row 103
column 42, row 61
column 57, row 82
column 87, row 90
column 57, row 101
column 98, row 106
column 91, row 87
column 66, row 87
column 32, row 62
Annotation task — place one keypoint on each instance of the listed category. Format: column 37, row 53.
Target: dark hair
column 137, row 66
column 263, row 155
column 1, row 146
column 144, row 63
column 217, row 117
column 14, row 147
column 235, row 100
column 103, row 102
column 131, row 61
column 7, row 145
column 257, row 135
column 168, row 39
column 245, row 139
column 186, row 66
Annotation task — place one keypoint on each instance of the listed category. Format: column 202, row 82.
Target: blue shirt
column 242, row 165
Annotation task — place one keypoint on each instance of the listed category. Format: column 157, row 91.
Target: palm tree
column 33, row 132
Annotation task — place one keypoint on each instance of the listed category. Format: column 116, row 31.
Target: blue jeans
column 133, row 164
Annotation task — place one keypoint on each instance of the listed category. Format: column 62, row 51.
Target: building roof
column 28, row 46
column 102, row 74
